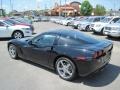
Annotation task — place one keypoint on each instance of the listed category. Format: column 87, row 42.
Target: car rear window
column 76, row 38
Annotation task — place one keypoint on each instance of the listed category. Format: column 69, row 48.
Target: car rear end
column 98, row 57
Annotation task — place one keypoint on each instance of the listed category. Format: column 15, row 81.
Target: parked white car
column 67, row 21
column 98, row 27
column 15, row 31
column 112, row 30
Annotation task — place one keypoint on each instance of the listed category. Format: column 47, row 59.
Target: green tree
column 100, row 10
column 86, row 8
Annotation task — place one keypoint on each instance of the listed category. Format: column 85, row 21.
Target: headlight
column 26, row 28
column 115, row 28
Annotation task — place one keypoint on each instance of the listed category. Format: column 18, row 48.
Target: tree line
column 87, row 9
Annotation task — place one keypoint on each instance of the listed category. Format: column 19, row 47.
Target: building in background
column 72, row 9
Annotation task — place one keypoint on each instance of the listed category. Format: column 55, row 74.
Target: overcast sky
column 21, row 5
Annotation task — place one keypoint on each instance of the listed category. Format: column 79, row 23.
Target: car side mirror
column 32, row 44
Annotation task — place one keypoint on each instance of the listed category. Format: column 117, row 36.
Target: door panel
column 38, row 55
column 40, row 49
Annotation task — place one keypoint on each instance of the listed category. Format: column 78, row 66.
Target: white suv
column 98, row 27
column 7, row 30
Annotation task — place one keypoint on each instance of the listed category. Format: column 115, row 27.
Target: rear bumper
column 89, row 67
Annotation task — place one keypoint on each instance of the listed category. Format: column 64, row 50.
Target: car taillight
column 98, row 54
column 95, row 55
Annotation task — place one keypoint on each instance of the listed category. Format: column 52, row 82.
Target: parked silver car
column 75, row 23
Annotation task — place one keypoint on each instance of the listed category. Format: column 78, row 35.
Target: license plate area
column 105, row 58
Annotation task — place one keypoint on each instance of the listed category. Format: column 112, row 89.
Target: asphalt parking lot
column 22, row 75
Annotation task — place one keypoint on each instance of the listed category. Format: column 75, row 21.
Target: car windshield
column 106, row 20
column 68, row 18
column 23, row 20
column 118, row 21
column 90, row 19
column 9, row 22
column 84, row 19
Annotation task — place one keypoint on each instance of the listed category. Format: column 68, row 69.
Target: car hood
column 100, row 24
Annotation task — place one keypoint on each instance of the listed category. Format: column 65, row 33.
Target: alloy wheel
column 65, row 69
column 18, row 35
column 13, row 51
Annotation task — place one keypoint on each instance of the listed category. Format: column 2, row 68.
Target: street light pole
column 11, row 5
column 60, row 9
column 1, row 4
column 65, row 8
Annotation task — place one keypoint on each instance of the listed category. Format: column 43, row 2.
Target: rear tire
column 68, row 23
column 66, row 69
column 13, row 51
column 18, row 35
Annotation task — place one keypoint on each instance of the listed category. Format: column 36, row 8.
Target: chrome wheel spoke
column 64, row 68
column 12, row 51
column 18, row 35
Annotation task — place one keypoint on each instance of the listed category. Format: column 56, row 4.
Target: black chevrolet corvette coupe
column 69, row 52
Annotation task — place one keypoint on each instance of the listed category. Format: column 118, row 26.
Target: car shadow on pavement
column 97, row 34
column 114, row 39
column 38, row 65
column 107, row 76
column 5, row 39
column 99, row 79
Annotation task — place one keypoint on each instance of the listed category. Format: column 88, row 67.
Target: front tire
column 13, row 51
column 87, row 28
column 66, row 69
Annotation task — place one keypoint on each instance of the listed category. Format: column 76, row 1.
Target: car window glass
column 44, row 40
column 67, row 40
column 115, row 19
column 96, row 19
column 106, row 20
column 2, row 24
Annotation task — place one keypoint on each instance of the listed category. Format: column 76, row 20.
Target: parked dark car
column 69, row 52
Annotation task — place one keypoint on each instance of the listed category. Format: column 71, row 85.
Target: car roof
column 60, row 31
column 73, row 34
column 66, row 32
